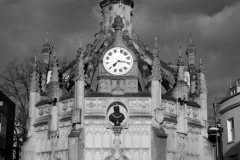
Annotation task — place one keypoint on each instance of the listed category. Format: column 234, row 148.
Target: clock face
column 118, row 61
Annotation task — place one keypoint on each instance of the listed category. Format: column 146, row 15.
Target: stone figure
column 116, row 117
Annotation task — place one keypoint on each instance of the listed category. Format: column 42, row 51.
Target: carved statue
column 116, row 117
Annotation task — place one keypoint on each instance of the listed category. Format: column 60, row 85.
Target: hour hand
column 114, row 64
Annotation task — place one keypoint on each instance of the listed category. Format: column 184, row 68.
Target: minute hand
column 122, row 61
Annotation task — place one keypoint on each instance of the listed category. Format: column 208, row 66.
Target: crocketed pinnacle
column 156, row 71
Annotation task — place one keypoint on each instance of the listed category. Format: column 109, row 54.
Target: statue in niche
column 116, row 117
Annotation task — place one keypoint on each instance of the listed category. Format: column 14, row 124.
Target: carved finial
column 34, row 81
column 47, row 37
column 190, row 37
column 200, row 58
column 80, row 40
column 180, row 59
column 118, row 24
column 180, row 51
column 156, row 42
column 35, row 60
column 201, row 67
column 156, row 71
column 79, row 66
column 54, row 54
column 155, row 51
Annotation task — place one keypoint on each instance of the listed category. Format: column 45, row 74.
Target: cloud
column 214, row 25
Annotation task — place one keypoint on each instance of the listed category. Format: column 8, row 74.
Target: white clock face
column 118, row 61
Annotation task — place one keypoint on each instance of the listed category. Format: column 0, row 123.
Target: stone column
column 76, row 137
column 34, row 98
column 159, row 144
column 76, row 144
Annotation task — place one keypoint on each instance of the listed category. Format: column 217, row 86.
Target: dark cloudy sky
column 215, row 27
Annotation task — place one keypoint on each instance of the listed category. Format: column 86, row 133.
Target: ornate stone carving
column 163, row 106
column 79, row 74
column 118, row 24
column 91, row 104
column 188, row 110
column 47, row 109
column 195, row 113
column 132, row 85
column 132, row 104
column 102, row 103
column 103, row 85
column 71, row 104
column 34, row 81
column 143, row 104
column 41, row 111
column 65, row 107
column 171, row 108
column 156, row 71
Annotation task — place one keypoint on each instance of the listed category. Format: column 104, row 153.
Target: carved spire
column 156, row 71
column 46, row 51
column 79, row 66
column 80, row 40
column 47, row 37
column 201, row 85
column 180, row 59
column 54, row 76
column 180, row 51
column 34, row 77
column 190, row 52
column 201, row 67
column 190, row 37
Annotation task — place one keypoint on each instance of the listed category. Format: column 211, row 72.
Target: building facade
column 108, row 104
column 7, row 117
column 229, row 117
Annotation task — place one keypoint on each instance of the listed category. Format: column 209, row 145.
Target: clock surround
column 118, row 61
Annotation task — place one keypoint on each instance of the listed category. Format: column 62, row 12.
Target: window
column 230, row 130
column 233, row 157
column 3, row 125
column 3, row 130
column 2, row 158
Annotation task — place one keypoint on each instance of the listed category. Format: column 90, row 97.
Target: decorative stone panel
column 135, row 141
column 134, row 105
column 169, row 107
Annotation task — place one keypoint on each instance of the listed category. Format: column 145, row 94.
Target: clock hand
column 122, row 61
column 114, row 64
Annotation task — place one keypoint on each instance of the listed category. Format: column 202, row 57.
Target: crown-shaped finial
column 118, row 24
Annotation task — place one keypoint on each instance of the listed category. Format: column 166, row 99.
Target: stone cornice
column 227, row 98
column 221, row 111
column 42, row 120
